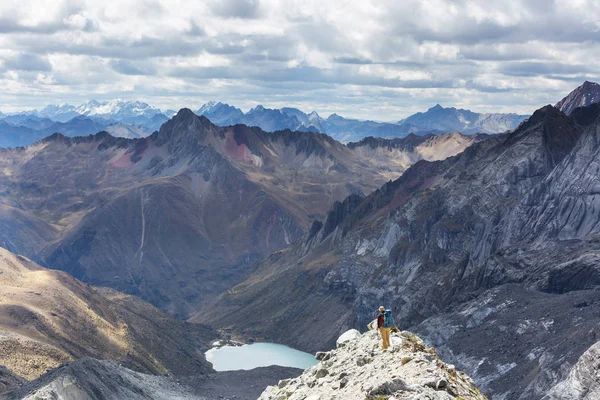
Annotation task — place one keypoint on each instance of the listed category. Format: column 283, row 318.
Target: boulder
column 347, row 336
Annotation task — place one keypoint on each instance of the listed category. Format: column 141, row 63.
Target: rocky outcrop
column 90, row 379
column 359, row 369
column 583, row 382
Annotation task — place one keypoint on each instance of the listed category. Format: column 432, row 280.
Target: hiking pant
column 385, row 336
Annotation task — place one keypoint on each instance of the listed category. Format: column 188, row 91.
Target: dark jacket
column 380, row 320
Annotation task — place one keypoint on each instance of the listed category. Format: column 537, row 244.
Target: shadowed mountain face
column 47, row 318
column 491, row 255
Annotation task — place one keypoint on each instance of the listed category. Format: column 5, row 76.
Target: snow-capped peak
column 117, row 107
column 207, row 107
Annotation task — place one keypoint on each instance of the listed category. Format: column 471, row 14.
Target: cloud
column 126, row 67
column 27, row 62
column 534, row 68
column 377, row 59
column 245, row 9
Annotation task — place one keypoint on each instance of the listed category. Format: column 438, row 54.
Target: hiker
column 384, row 324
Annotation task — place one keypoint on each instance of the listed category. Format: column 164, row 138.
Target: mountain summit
column 583, row 96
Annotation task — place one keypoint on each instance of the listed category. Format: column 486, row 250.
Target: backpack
column 388, row 320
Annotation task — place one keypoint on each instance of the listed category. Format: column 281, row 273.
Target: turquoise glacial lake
column 249, row 356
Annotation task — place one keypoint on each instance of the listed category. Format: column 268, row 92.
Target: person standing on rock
column 383, row 326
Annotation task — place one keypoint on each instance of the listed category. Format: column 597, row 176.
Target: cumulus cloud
column 380, row 59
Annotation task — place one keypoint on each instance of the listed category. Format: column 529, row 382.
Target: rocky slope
column 9, row 381
column 47, row 318
column 359, row 369
column 583, row 381
column 91, row 379
column 490, row 255
column 583, row 96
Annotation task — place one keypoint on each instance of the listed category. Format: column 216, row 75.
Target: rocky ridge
column 393, row 156
column 359, row 369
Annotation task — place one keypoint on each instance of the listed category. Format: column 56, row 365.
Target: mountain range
column 134, row 119
column 491, row 255
column 178, row 217
column 117, row 110
column 435, row 120
column 130, row 119
column 484, row 245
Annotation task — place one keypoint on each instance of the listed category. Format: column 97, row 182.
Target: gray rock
column 344, row 382
column 321, row 373
column 347, row 336
column 583, row 381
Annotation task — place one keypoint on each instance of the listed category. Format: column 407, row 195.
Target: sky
column 375, row 59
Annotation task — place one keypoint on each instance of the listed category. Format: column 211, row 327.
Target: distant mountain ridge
column 438, row 118
column 138, row 119
column 131, row 119
column 143, row 119
column 435, row 120
column 117, row 109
